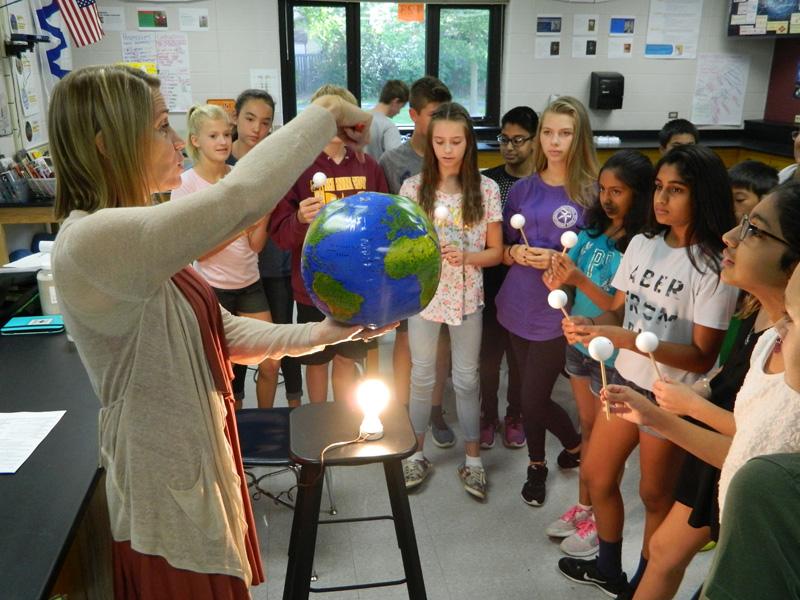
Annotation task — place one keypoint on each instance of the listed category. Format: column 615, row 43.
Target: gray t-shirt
column 399, row 164
column 383, row 135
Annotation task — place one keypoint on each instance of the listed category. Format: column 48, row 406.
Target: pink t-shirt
column 460, row 291
column 235, row 266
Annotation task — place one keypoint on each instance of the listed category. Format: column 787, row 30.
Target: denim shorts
column 620, row 380
column 582, row 365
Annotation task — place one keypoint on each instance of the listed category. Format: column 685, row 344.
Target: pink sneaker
column 567, row 524
column 487, row 434
column 584, row 541
column 513, row 433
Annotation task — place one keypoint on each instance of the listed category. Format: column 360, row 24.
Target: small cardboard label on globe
column 371, row 259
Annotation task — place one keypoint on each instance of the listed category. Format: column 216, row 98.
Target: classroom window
column 360, row 45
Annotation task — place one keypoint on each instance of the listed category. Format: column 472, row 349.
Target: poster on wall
column 172, row 58
column 138, row 47
column 547, row 47
column 26, row 74
column 193, row 19
column 584, row 47
column 764, row 17
column 149, row 19
column 585, row 24
column 619, row 26
column 548, row 25
column 112, row 18
column 673, row 29
column 719, row 89
column 620, row 47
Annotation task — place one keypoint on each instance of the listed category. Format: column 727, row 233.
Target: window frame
column 353, row 50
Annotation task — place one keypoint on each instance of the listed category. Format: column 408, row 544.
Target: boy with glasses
column 516, row 146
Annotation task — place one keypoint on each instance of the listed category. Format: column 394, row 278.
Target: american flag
column 82, row 20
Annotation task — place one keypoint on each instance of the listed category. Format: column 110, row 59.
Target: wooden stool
column 312, row 428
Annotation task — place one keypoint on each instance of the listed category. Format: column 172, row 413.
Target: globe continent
column 371, row 259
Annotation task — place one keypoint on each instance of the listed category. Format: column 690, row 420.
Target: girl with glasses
column 760, row 255
column 668, row 284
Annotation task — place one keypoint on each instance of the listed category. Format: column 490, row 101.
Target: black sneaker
column 533, row 492
column 568, row 460
column 586, row 571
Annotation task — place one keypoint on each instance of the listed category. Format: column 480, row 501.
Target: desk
column 13, row 215
column 52, row 513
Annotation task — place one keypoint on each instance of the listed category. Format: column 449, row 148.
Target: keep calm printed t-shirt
column 522, row 301
column 666, row 295
column 460, row 291
column 236, row 265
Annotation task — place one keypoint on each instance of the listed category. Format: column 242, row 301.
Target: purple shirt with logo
column 522, row 301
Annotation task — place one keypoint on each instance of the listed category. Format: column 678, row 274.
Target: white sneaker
column 567, row 523
column 416, row 471
column 584, row 541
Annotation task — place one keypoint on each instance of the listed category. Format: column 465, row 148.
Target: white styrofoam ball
column 569, row 239
column 440, row 213
column 601, row 348
column 557, row 299
column 517, row 221
column 319, row 179
column 647, row 342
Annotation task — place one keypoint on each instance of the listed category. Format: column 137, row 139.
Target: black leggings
column 281, row 304
column 540, row 364
column 495, row 343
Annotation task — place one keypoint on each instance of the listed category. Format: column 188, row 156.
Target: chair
column 264, row 442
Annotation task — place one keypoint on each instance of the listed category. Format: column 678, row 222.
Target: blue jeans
column 465, row 344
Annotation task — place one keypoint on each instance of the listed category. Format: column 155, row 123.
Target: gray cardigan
column 171, row 482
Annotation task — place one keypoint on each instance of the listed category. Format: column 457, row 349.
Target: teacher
column 156, row 344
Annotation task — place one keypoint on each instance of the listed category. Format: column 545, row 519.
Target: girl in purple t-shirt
column 552, row 201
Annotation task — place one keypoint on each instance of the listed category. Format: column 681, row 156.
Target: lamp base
column 370, row 436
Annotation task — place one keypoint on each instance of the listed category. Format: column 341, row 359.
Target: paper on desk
column 21, row 433
column 30, row 262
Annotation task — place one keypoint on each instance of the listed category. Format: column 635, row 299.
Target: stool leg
column 404, row 529
column 329, row 488
column 304, row 534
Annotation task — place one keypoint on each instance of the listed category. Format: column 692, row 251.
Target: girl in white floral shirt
column 471, row 238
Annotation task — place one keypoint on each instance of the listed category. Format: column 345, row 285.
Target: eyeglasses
column 782, row 326
column 516, row 141
column 747, row 229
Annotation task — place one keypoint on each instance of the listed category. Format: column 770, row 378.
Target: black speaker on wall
column 606, row 90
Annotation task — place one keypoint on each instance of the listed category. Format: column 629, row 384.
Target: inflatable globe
column 371, row 259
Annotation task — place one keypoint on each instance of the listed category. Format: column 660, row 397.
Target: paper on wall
column 673, row 29
column 172, row 58
column 112, row 17
column 193, row 19
column 719, row 89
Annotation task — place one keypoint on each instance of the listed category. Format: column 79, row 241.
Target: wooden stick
column 524, row 238
column 605, row 383
column 564, row 251
column 566, row 314
column 655, row 366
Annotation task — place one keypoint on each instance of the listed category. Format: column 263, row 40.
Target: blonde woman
column 154, row 341
column 553, row 201
column 231, row 268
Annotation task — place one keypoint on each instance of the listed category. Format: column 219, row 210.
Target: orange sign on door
column 411, row 13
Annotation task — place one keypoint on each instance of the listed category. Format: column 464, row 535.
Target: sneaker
column 474, row 480
column 487, row 435
column 513, row 433
column 568, row 460
column 584, row 542
column 585, row 571
column 533, row 492
column 709, row 546
column 444, row 438
column 567, row 523
column 416, row 471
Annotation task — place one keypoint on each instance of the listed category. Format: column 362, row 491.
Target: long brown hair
column 113, row 103
column 469, row 175
column 581, row 158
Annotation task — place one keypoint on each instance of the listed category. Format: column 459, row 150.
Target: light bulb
column 372, row 397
